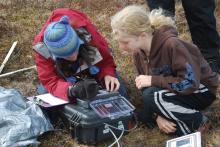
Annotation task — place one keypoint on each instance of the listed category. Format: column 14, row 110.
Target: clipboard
column 47, row 100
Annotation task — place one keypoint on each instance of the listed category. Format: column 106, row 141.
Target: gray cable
column 136, row 124
column 116, row 139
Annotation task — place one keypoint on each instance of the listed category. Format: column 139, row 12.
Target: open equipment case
column 107, row 116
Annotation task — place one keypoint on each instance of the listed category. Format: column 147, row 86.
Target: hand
column 165, row 125
column 143, row 81
column 111, row 83
column 85, row 89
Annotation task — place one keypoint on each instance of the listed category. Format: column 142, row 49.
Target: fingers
column 139, row 81
column 169, row 128
column 166, row 125
column 107, row 84
column 139, row 84
column 112, row 84
column 143, row 81
column 117, row 85
column 139, row 78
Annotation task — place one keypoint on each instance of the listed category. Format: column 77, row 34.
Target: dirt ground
column 21, row 20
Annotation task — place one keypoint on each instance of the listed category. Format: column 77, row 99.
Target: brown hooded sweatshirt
column 175, row 64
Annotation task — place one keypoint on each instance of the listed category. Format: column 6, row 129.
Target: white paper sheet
column 52, row 100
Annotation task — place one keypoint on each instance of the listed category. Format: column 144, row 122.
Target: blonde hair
column 134, row 19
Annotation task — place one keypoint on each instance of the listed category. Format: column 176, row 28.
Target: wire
column 116, row 139
column 136, row 124
column 123, row 130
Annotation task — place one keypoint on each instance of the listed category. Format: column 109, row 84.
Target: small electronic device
column 190, row 140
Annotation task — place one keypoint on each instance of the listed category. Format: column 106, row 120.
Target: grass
column 22, row 19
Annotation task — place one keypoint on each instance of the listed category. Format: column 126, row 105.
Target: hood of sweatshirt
column 159, row 37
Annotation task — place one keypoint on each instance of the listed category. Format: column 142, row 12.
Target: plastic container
column 112, row 107
column 86, row 126
column 89, row 126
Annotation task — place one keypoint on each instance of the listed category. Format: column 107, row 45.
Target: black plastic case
column 88, row 128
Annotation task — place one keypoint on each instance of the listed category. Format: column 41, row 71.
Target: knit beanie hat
column 61, row 39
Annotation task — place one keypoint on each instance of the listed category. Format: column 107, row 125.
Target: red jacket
column 47, row 73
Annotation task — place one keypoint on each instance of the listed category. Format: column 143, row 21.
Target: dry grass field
column 21, row 20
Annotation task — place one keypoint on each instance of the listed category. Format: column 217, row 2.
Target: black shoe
column 215, row 66
column 212, row 56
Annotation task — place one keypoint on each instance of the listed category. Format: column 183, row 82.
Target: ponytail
column 158, row 19
column 134, row 19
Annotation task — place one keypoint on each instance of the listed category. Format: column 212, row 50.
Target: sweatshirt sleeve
column 49, row 78
column 185, row 68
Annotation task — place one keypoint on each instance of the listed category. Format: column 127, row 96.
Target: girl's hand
column 165, row 125
column 111, row 83
column 143, row 81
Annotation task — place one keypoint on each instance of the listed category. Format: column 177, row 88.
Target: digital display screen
column 184, row 143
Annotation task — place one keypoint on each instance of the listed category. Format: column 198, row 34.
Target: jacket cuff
column 156, row 81
column 110, row 72
column 71, row 98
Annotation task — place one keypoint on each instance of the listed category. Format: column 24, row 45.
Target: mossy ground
column 21, row 20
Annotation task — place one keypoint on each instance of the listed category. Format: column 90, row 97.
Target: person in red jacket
column 69, row 48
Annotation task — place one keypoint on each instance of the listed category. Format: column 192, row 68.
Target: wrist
column 150, row 80
column 71, row 97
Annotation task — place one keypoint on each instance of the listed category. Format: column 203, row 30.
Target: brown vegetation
column 22, row 19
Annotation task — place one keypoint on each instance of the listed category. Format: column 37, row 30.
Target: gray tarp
column 21, row 122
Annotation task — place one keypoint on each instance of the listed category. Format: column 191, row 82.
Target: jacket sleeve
column 185, row 67
column 49, row 78
column 107, row 65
